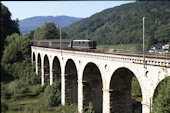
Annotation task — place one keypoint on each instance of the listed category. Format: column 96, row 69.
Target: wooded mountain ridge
column 123, row 24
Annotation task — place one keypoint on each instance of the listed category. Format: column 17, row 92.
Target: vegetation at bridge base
column 161, row 101
column 89, row 108
column 52, row 94
column 17, row 97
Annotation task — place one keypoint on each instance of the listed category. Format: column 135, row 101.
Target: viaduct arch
column 92, row 87
column 109, row 76
column 46, row 70
column 39, row 65
column 33, row 58
column 71, row 84
column 120, row 90
column 56, row 70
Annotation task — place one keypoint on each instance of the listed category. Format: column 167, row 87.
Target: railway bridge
column 103, row 79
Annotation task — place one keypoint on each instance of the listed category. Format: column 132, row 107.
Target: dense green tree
column 17, row 50
column 31, row 35
column 161, row 102
column 48, row 31
column 8, row 26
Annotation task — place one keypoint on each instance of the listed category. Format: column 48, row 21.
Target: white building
column 166, row 46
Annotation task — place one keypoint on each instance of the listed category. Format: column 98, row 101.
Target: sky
column 26, row 9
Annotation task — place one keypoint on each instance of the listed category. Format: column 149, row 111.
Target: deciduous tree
column 8, row 26
column 48, row 31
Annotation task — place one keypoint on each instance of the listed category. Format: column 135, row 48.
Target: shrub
column 4, row 92
column 36, row 89
column 28, row 109
column 52, row 94
column 89, row 109
column 30, row 76
column 17, row 88
column 17, row 108
column 4, row 107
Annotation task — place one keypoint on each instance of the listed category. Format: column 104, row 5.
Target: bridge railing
column 135, row 58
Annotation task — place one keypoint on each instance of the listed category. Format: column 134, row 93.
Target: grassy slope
column 120, row 46
column 33, row 104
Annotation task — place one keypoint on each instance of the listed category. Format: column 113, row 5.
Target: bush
column 36, row 89
column 89, row 109
column 24, row 71
column 28, row 109
column 4, row 107
column 4, row 92
column 5, row 76
column 17, row 88
column 17, row 108
column 30, row 76
column 52, row 94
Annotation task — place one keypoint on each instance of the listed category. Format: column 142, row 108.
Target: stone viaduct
column 103, row 79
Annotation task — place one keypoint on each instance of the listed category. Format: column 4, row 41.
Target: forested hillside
column 123, row 24
column 30, row 24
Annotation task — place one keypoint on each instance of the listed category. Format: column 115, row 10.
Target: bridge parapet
column 154, row 61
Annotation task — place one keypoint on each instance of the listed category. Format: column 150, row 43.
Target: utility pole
column 60, row 39
column 144, row 41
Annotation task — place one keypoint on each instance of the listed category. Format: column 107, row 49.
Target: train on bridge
column 82, row 44
column 87, row 46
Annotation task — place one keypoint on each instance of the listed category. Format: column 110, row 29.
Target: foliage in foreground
column 14, row 92
column 52, row 94
column 89, row 108
column 16, row 60
column 17, row 50
column 161, row 102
